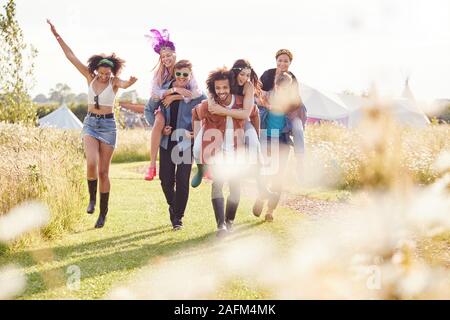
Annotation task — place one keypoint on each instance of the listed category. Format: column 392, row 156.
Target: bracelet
column 58, row 37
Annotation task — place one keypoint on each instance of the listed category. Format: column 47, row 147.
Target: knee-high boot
column 104, row 199
column 219, row 211
column 230, row 214
column 92, row 185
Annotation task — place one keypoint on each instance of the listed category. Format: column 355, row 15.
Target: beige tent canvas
column 61, row 118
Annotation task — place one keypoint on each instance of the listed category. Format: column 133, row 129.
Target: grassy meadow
column 377, row 182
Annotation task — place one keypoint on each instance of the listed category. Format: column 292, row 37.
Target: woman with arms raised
column 99, row 127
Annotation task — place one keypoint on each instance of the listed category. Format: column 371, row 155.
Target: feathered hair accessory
column 160, row 40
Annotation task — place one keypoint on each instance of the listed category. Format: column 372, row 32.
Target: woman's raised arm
column 70, row 55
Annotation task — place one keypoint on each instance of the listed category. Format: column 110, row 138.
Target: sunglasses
column 181, row 74
column 97, row 106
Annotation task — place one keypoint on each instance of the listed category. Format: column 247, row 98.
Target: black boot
column 104, row 198
column 230, row 214
column 219, row 212
column 92, row 184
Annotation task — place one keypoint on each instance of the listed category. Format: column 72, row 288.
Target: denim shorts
column 150, row 115
column 104, row 130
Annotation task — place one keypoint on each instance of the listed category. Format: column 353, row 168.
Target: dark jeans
column 175, row 184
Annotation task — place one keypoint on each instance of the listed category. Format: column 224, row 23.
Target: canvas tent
column 405, row 110
column 61, row 118
column 322, row 106
column 407, row 93
column 348, row 109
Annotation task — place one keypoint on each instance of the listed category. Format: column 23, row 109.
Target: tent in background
column 404, row 111
column 61, row 118
column 353, row 102
column 322, row 106
column 407, row 93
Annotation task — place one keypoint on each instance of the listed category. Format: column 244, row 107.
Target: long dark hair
column 115, row 63
column 240, row 65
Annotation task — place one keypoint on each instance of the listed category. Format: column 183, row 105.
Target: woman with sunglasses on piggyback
column 161, row 93
column 99, row 127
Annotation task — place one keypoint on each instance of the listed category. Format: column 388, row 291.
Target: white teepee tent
column 407, row 93
column 322, row 106
column 405, row 110
column 61, row 118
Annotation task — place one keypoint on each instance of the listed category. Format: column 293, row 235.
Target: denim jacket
column 184, row 123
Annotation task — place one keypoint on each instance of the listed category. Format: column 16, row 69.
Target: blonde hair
column 162, row 73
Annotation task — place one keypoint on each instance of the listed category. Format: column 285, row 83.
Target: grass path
column 137, row 235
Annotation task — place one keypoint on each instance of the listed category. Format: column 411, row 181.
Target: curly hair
column 219, row 74
column 101, row 60
column 240, row 65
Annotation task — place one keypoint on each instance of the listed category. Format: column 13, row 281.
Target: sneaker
column 229, row 225
column 221, row 232
column 177, row 227
column 151, row 174
column 258, row 207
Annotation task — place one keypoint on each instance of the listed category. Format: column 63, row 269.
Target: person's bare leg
column 106, row 153
column 91, row 150
column 156, row 138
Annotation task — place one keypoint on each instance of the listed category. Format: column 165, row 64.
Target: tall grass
column 133, row 146
column 44, row 165
column 348, row 157
column 353, row 158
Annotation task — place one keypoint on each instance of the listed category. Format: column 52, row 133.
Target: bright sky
column 337, row 45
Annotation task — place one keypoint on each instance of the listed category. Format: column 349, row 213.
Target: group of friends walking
column 242, row 123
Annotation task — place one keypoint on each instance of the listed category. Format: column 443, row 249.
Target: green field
column 137, row 235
